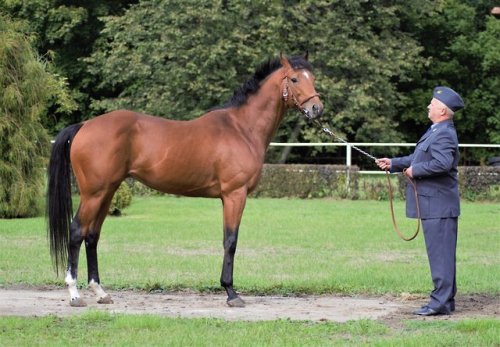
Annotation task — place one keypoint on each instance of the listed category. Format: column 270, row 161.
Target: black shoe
column 427, row 311
column 452, row 307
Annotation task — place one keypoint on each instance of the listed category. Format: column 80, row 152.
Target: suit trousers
column 441, row 243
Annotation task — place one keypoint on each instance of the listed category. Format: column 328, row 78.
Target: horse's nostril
column 317, row 110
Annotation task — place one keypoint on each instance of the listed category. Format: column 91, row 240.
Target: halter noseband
column 287, row 91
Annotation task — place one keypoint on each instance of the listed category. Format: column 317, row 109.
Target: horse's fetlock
column 69, row 279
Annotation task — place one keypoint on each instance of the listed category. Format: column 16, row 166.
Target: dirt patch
column 391, row 310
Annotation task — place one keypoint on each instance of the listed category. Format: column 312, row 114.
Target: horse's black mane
column 252, row 85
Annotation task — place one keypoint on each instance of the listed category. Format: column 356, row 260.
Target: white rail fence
column 349, row 148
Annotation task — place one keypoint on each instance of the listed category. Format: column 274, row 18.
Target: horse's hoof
column 77, row 302
column 105, row 300
column 236, row 302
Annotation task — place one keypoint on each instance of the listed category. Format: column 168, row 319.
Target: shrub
column 319, row 181
column 479, row 182
column 26, row 90
column 121, row 199
column 307, row 181
column 139, row 189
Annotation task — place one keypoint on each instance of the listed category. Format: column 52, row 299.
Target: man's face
column 437, row 111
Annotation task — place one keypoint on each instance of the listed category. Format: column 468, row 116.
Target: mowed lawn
column 286, row 246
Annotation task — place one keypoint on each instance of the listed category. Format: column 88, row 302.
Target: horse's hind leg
column 86, row 226
column 75, row 243
column 91, row 241
column 93, row 271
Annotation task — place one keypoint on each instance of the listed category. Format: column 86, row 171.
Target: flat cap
column 449, row 97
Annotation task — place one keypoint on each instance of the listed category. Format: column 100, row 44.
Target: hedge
column 307, row 181
column 317, row 181
column 476, row 183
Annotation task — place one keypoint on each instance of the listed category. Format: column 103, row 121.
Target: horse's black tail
column 59, row 207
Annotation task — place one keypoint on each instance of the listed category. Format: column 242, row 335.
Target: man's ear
column 444, row 112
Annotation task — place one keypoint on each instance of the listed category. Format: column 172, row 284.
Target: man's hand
column 383, row 163
column 408, row 172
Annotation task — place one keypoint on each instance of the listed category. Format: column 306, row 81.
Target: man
column 433, row 166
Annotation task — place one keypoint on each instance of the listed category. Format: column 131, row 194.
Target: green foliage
column 376, row 187
column 177, row 59
column 485, row 98
column 139, row 189
column 476, row 183
column 25, row 90
column 479, row 183
column 121, row 199
column 461, row 46
column 376, row 61
column 148, row 63
column 362, row 52
column 307, row 181
column 66, row 32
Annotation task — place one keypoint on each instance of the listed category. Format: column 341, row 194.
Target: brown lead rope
column 391, row 195
column 400, row 234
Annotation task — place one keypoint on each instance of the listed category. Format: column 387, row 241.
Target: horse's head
column 298, row 87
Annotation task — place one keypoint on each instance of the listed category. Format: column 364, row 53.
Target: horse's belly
column 181, row 183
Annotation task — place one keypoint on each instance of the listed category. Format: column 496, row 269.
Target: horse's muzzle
column 317, row 110
column 313, row 111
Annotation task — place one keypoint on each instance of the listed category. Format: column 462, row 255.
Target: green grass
column 285, row 246
column 104, row 329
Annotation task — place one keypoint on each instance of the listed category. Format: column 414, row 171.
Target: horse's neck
column 262, row 114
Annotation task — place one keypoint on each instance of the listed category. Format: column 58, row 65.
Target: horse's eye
column 294, row 80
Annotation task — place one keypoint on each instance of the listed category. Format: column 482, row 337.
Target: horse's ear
column 284, row 61
column 306, row 55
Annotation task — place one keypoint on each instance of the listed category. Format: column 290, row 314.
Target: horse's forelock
column 299, row 62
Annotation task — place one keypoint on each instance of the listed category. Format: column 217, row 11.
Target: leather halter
column 288, row 91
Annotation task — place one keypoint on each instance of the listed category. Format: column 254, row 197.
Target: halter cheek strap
column 287, row 91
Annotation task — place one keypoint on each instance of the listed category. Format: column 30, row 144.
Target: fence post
column 348, row 159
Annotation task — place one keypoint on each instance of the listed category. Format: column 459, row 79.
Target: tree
column 461, row 47
column 25, row 90
column 376, row 61
column 484, row 99
column 361, row 53
column 66, row 31
column 178, row 59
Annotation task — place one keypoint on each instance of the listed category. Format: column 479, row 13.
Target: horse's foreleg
column 234, row 203
column 71, row 279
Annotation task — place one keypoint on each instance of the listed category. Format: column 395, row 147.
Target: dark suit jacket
column 434, row 166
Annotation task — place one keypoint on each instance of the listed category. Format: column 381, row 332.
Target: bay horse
column 218, row 155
